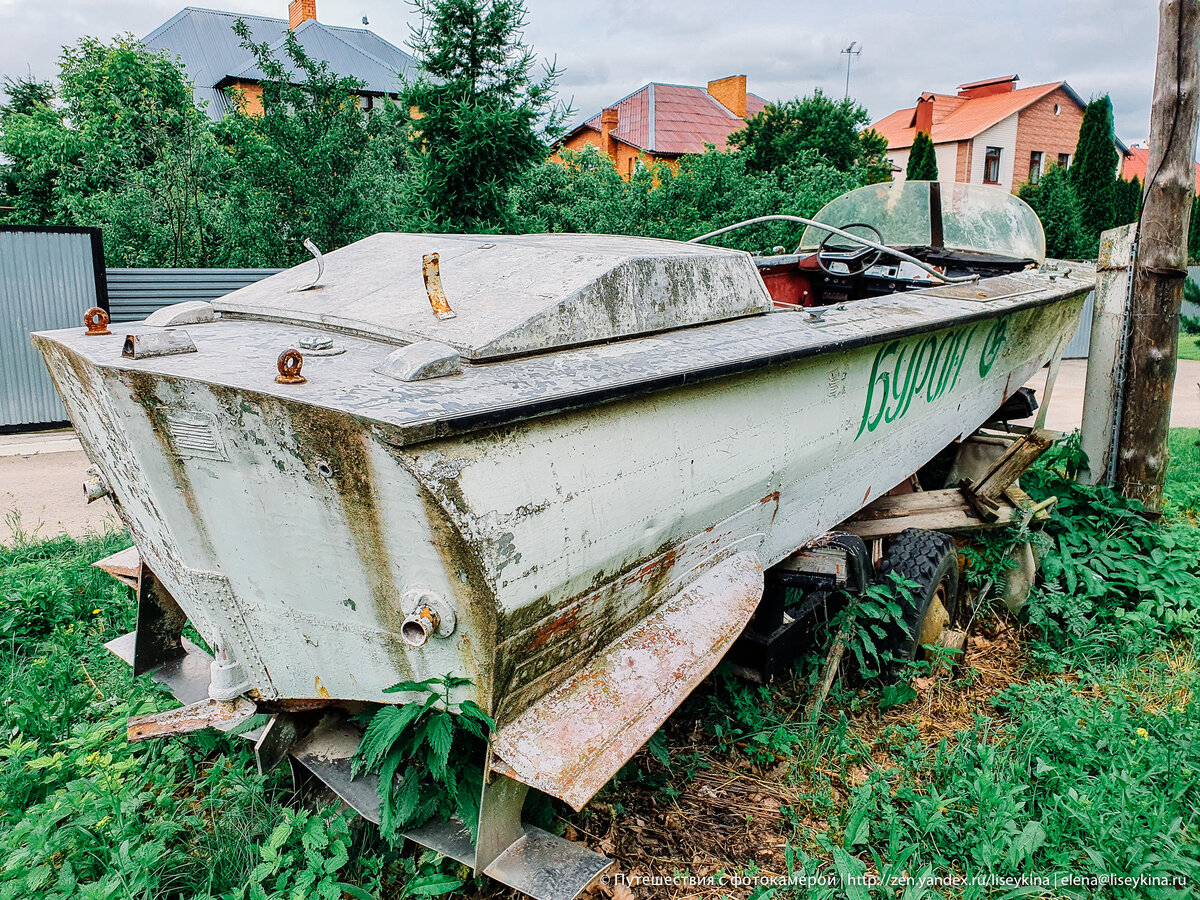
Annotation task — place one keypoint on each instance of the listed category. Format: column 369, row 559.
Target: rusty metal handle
column 431, row 270
column 96, row 321
column 290, row 363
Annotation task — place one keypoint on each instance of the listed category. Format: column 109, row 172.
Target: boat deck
column 241, row 353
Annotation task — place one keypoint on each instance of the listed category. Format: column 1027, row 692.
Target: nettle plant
column 1114, row 579
column 876, row 621
column 426, row 755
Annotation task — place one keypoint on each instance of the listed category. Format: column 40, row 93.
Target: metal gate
column 49, row 277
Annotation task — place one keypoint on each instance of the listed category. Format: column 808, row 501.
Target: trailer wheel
column 930, row 559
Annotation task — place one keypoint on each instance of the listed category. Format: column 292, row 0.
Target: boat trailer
column 319, row 741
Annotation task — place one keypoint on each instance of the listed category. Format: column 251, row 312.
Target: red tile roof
column 1135, row 161
column 671, row 119
column 959, row 118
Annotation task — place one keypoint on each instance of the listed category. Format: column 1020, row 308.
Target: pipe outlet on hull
column 429, row 615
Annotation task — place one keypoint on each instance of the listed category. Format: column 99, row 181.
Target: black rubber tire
column 930, row 559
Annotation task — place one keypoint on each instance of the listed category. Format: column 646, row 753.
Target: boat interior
column 937, row 233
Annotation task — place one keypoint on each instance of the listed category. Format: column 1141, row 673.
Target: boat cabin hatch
column 509, row 295
column 956, row 229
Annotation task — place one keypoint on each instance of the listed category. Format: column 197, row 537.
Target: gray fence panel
column 1081, row 342
column 135, row 293
column 49, row 277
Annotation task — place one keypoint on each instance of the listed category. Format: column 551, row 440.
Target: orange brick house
column 665, row 121
column 221, row 69
column 1134, row 164
column 991, row 131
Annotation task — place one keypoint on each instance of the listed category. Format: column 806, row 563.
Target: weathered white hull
column 292, row 532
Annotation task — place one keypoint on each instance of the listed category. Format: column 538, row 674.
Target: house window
column 1064, row 160
column 1035, row 166
column 991, row 165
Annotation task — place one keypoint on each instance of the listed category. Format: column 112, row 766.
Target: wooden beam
column 987, row 492
column 1161, row 263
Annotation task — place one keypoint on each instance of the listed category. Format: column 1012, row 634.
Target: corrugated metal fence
column 135, row 293
column 1081, row 342
column 49, row 277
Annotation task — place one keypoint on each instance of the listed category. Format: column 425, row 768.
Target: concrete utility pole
column 1161, row 263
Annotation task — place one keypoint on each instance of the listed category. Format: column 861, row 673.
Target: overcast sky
column 608, row 48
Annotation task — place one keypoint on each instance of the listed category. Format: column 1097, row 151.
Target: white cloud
column 611, row 47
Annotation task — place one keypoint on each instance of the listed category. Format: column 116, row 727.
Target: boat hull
column 297, row 535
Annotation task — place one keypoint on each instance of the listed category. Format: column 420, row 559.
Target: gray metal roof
column 211, row 53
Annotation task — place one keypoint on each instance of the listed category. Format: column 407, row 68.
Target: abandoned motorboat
column 555, row 465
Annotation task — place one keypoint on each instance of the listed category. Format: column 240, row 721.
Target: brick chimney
column 1005, row 84
column 608, row 124
column 923, row 117
column 300, row 11
column 731, row 93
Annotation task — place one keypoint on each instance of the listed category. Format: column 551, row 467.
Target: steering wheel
column 856, row 258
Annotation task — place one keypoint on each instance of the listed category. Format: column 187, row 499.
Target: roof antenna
column 849, row 52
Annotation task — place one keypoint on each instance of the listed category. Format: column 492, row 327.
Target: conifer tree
column 922, row 160
column 483, row 117
column 1094, row 171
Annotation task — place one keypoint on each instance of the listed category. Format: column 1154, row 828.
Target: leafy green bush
column 50, row 585
column 709, row 191
column 83, row 813
column 441, row 750
column 303, row 857
column 1113, row 581
column 874, row 621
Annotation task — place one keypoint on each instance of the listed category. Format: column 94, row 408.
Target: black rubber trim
column 935, row 215
column 454, row 425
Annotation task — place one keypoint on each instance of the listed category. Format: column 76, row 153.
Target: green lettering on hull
column 927, row 366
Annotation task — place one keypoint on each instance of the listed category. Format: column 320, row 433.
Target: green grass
column 1087, row 764
column 1183, row 474
column 83, row 813
column 1189, row 346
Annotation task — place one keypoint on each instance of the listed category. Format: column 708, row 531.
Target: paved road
column 42, row 474
column 41, row 488
column 1066, row 404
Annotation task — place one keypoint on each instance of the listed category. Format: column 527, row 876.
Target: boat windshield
column 973, row 217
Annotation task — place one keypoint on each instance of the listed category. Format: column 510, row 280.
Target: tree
column 1127, row 201
column 25, row 95
column 1094, row 171
column 27, row 179
column 873, row 157
column 123, row 147
column 482, row 117
column 1194, row 231
column 782, row 131
column 309, row 165
column 709, row 190
column 922, row 160
column 1053, row 199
